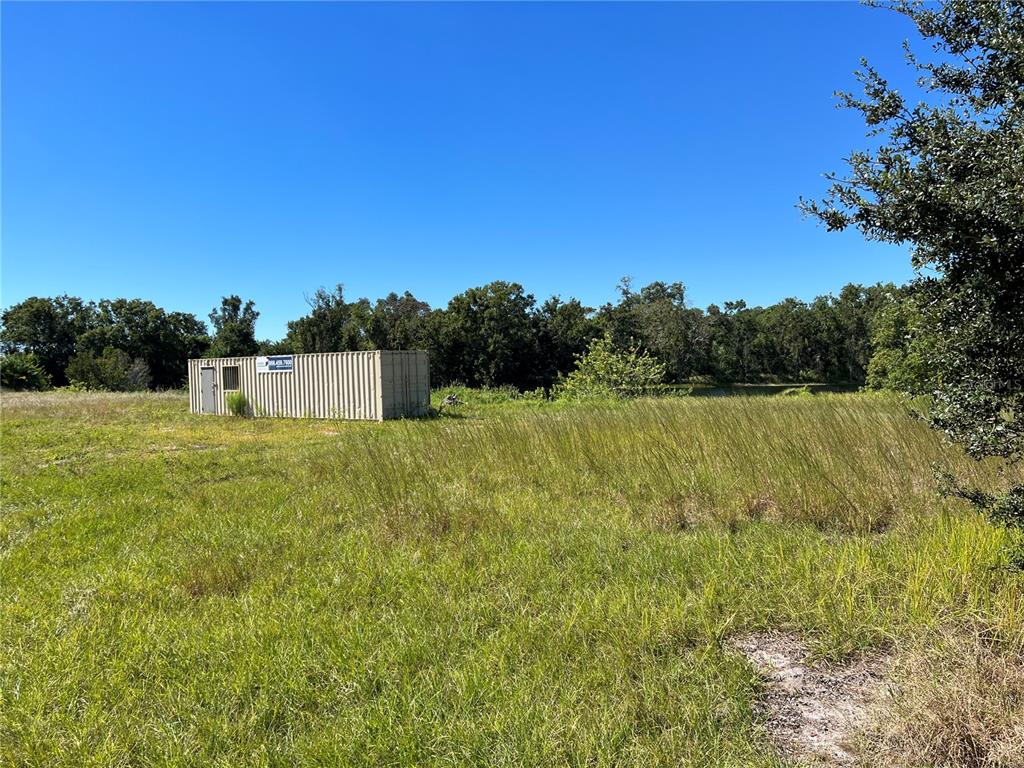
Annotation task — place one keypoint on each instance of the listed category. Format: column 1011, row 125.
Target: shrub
column 605, row 371
column 113, row 371
column 534, row 395
column 21, row 370
column 237, row 404
column 678, row 390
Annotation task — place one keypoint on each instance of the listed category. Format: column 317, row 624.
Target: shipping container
column 374, row 385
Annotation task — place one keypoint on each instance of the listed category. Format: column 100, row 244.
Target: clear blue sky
column 179, row 152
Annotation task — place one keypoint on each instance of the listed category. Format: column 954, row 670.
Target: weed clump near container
column 237, row 404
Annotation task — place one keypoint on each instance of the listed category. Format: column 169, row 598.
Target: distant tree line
column 493, row 335
column 112, row 344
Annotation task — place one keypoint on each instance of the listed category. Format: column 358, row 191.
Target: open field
column 520, row 584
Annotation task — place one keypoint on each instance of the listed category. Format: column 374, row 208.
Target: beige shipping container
column 374, row 385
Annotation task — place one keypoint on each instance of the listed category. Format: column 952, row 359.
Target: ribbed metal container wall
column 337, row 385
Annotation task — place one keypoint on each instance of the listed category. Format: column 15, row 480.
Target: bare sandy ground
column 813, row 713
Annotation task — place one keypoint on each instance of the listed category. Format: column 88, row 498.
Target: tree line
column 492, row 335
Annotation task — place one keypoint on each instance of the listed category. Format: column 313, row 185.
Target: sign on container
column 274, row 364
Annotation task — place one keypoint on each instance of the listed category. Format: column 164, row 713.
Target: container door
column 208, row 390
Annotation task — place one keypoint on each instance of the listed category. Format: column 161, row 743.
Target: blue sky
column 180, row 152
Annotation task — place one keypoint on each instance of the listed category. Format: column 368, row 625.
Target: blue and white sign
column 274, row 364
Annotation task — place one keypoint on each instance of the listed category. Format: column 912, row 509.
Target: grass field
column 517, row 584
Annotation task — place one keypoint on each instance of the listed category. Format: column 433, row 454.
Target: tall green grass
column 516, row 584
column 237, row 403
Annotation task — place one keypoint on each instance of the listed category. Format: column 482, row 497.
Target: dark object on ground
column 449, row 401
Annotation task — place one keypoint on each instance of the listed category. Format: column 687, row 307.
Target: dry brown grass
column 57, row 402
column 958, row 704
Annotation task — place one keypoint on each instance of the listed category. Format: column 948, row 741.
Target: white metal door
column 208, row 390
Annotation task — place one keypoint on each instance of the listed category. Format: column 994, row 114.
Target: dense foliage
column 497, row 334
column 493, row 335
column 234, row 328
column 66, row 329
column 49, row 329
column 111, row 370
column 948, row 179
column 903, row 344
column 21, row 370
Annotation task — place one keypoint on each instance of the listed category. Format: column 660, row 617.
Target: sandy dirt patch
column 813, row 712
